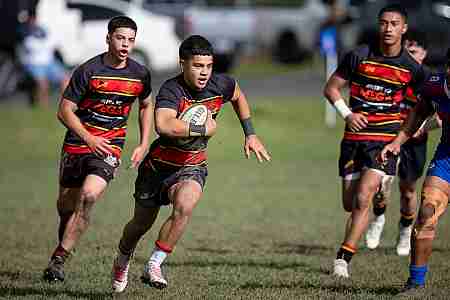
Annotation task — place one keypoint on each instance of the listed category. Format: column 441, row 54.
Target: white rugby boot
column 404, row 240
column 340, row 268
column 373, row 234
column 119, row 276
column 153, row 276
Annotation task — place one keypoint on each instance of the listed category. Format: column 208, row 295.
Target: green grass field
column 261, row 231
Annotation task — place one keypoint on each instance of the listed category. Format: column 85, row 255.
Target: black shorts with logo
column 413, row 156
column 358, row 155
column 152, row 185
column 74, row 168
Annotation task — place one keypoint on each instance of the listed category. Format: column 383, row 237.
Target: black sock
column 379, row 210
column 345, row 253
column 406, row 220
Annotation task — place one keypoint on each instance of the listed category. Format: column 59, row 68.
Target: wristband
column 197, row 130
column 342, row 108
column 247, row 127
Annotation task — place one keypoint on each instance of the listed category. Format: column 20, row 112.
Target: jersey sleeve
column 147, row 81
column 167, row 97
column 78, row 85
column 348, row 65
column 227, row 86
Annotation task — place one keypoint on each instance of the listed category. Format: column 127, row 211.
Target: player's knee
column 425, row 226
column 364, row 197
column 89, row 196
column 183, row 209
column 428, row 214
column 362, row 201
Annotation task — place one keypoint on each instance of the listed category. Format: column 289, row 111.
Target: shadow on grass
column 255, row 264
column 333, row 288
column 49, row 292
column 302, row 249
column 251, row 263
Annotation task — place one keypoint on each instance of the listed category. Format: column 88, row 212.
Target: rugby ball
column 196, row 114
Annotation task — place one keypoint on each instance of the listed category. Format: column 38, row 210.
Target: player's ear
column 181, row 64
column 108, row 38
column 405, row 28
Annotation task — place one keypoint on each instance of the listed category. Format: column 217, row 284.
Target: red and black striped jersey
column 166, row 152
column 104, row 96
column 378, row 86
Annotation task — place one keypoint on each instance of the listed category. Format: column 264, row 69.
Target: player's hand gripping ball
column 197, row 115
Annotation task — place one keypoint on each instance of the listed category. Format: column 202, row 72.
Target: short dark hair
column 121, row 21
column 417, row 36
column 195, row 45
column 394, row 8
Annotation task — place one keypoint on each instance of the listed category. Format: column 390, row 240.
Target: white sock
column 158, row 256
column 380, row 219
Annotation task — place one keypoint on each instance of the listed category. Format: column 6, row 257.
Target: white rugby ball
column 196, row 114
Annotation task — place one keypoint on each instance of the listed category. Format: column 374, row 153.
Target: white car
column 80, row 27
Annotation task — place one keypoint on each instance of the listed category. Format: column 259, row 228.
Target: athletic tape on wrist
column 197, row 130
column 342, row 108
column 247, row 126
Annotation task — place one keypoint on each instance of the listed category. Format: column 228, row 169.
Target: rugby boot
column 411, row 291
column 340, row 268
column 55, row 270
column 153, row 276
column 119, row 276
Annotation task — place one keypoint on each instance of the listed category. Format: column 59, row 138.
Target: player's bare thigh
column 185, row 193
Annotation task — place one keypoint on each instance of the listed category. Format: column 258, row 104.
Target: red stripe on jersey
column 350, row 136
column 377, row 118
column 178, row 157
column 213, row 104
column 83, row 149
column 105, row 133
column 120, row 86
column 387, row 72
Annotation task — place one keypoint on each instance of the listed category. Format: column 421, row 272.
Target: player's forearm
column 71, row 121
column 241, row 107
column 415, row 119
column 145, row 123
column 173, row 128
column 242, row 110
column 332, row 90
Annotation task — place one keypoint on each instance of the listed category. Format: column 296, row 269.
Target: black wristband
column 247, row 127
column 197, row 130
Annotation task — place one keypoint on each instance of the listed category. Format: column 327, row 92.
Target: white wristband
column 342, row 108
